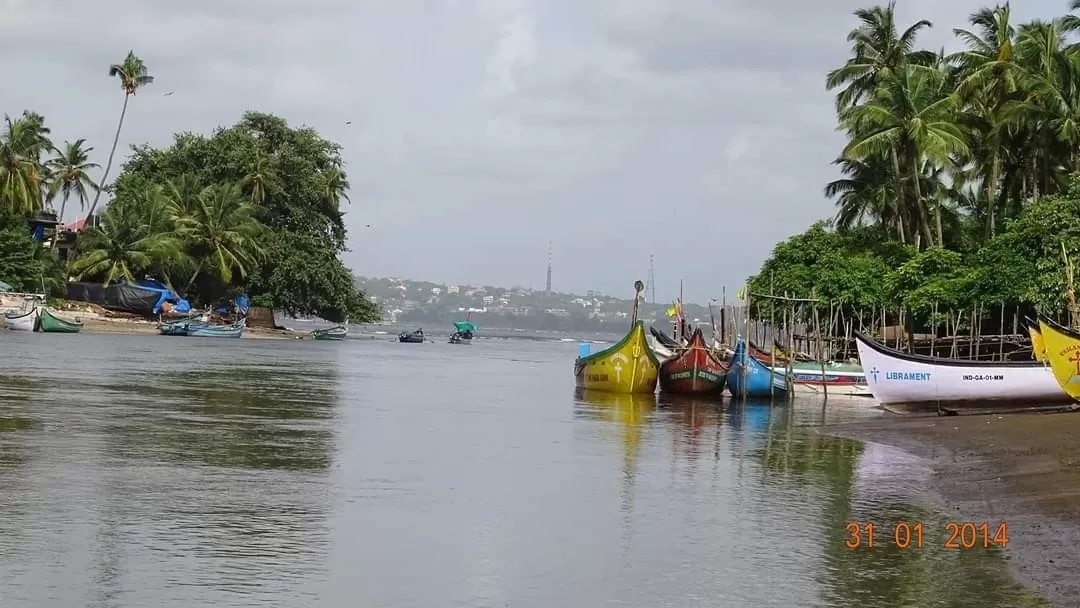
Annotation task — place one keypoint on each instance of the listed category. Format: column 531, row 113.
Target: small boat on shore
column 23, row 321
column 751, row 379
column 629, row 366
column 833, row 378
column 1038, row 347
column 179, row 327
column 204, row 330
column 412, row 337
column 1062, row 351
column 906, row 383
column 693, row 371
column 52, row 323
column 338, row 332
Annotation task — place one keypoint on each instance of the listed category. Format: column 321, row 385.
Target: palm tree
column 70, row 177
column 123, row 246
column 22, row 176
column 221, row 229
column 133, row 76
column 878, row 52
column 866, row 193
column 912, row 120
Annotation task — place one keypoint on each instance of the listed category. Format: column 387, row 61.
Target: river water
column 151, row 471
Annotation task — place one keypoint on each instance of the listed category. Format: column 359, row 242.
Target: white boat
column 22, row 321
column 904, row 382
column 662, row 352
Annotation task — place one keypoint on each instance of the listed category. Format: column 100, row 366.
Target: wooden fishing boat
column 23, row 321
column 338, row 332
column 412, row 337
column 835, row 379
column 905, row 383
column 179, row 327
column 693, row 371
column 1062, row 350
column 235, row 330
column 749, row 378
column 54, row 324
column 1038, row 347
column 628, row 366
column 463, row 332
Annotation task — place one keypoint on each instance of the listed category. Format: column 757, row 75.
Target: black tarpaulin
column 124, row 298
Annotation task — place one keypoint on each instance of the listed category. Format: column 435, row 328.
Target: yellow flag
column 671, row 311
column 741, row 293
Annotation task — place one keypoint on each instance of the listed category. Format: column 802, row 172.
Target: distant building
column 488, row 299
column 452, row 289
column 436, row 290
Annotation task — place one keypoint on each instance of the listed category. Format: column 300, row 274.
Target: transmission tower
column 650, row 284
column 549, row 270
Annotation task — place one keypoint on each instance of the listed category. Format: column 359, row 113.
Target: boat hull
column 695, row 371
column 838, row 380
column 332, row 333
column 629, row 366
column 904, row 382
column 1062, row 351
column 751, row 379
column 27, row 321
column 50, row 323
column 413, row 337
column 235, row 330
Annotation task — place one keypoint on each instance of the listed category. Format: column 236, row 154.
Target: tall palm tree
column 878, row 51
column 133, row 76
column 912, row 120
column 70, row 169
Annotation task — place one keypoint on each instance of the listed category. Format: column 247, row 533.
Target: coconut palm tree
column 23, row 177
column 221, row 233
column 70, row 169
column 124, row 246
column 133, row 75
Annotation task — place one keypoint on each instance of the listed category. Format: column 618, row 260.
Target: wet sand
column 1021, row 468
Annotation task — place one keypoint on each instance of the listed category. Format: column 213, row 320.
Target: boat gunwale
column 621, row 343
column 62, row 321
column 697, row 341
column 892, row 353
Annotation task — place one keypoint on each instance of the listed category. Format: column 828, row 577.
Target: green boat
column 50, row 323
column 339, row 332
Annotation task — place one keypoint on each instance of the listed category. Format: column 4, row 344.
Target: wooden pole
column 933, row 328
column 1001, row 335
column 746, row 346
column 821, row 355
column 772, row 351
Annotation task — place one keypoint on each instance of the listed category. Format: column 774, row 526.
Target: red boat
column 693, row 371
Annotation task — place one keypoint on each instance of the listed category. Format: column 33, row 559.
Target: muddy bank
column 1021, row 468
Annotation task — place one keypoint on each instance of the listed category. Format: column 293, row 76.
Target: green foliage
column 24, row 263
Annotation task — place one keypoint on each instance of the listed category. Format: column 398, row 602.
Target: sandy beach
column 1021, row 468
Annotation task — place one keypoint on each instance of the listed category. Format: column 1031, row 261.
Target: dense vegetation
column 252, row 208
column 959, row 184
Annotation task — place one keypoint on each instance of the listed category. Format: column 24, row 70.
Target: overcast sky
column 696, row 130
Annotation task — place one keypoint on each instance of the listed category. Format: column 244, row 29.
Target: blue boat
column 760, row 381
column 179, row 327
column 217, row 331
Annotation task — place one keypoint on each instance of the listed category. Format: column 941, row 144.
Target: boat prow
column 694, row 371
column 907, row 382
column 1061, row 346
column 628, row 366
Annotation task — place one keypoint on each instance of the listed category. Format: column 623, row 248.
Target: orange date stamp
column 962, row 535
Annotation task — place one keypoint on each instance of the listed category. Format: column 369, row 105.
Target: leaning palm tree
column 70, row 169
column 133, row 76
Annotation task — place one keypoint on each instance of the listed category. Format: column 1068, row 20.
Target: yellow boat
column 627, row 367
column 1038, row 348
column 1062, row 348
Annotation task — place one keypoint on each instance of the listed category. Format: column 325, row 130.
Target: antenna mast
column 549, row 270
column 650, row 285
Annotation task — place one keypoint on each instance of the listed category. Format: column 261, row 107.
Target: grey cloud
column 615, row 128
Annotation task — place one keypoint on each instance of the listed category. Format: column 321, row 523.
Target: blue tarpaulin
column 239, row 303
column 165, row 295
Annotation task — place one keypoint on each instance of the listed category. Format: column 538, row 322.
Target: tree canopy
column 959, row 175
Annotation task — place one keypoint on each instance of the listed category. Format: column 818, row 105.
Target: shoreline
column 1020, row 468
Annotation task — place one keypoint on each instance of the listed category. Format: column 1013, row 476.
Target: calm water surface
column 150, row 471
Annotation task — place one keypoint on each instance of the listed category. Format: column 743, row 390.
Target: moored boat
column 179, row 327
column 1062, row 350
column 628, row 366
column 412, row 337
column 338, row 332
column 52, row 323
column 906, row 382
column 832, row 378
column 1038, row 347
column 463, row 332
column 751, row 379
column 693, row 371
column 235, row 330
column 23, row 321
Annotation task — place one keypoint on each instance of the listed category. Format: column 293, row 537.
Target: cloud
column 481, row 129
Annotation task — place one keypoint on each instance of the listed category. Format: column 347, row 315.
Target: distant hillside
column 426, row 303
